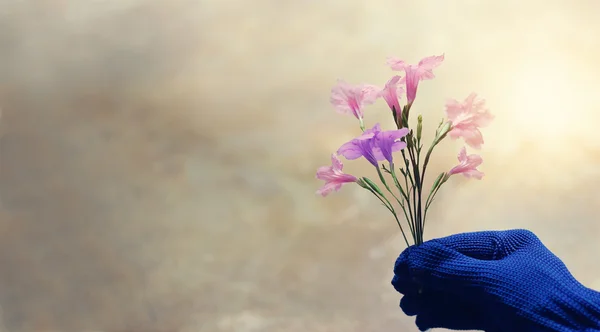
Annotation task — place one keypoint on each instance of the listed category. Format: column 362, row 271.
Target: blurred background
column 157, row 158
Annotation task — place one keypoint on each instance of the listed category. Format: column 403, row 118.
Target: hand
column 492, row 281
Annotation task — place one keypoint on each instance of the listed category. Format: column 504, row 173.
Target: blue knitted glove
column 501, row 281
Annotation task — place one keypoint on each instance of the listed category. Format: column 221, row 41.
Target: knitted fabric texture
column 496, row 281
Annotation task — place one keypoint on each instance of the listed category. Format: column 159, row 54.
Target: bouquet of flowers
column 402, row 177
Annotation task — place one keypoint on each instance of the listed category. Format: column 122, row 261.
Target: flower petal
column 426, row 66
column 376, row 128
column 350, row 150
column 350, row 99
column 474, row 174
column 378, row 154
column 462, row 155
column 467, row 117
column 397, row 146
column 398, row 133
column 474, row 139
column 328, row 188
column 324, row 173
column 336, row 163
column 396, row 63
column 453, row 109
column 333, row 176
column 467, row 165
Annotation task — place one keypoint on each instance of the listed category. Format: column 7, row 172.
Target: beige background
column 158, row 157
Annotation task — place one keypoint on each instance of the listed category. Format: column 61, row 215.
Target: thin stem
column 407, row 174
column 393, row 195
column 386, row 185
column 390, row 207
column 409, row 221
column 430, row 199
column 416, row 191
column 408, row 189
column 426, row 162
column 393, row 173
column 407, row 166
column 431, row 193
column 402, row 230
column 410, row 212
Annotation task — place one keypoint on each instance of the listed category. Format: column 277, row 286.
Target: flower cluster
column 464, row 120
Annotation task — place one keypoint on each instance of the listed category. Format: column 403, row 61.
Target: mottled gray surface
column 157, row 157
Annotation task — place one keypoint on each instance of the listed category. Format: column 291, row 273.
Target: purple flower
column 374, row 145
column 361, row 146
column 389, row 142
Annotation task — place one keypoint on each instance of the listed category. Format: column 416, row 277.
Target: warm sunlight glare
column 543, row 103
column 547, row 120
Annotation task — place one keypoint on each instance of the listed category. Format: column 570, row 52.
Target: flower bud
column 404, row 117
column 362, row 183
column 438, row 181
column 372, row 185
column 419, row 126
column 442, row 131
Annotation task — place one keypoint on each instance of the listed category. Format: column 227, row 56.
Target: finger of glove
column 429, row 254
column 437, row 267
column 403, row 281
column 477, row 245
column 403, row 285
column 489, row 245
column 411, row 304
column 437, row 309
column 401, row 264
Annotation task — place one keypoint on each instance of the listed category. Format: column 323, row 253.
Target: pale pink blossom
column 350, row 99
column 333, row 176
column 415, row 73
column 467, row 165
column 467, row 117
column 390, row 94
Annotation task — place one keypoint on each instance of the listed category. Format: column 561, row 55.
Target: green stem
column 386, row 185
column 393, row 173
column 407, row 175
column 408, row 202
column 393, row 195
column 390, row 207
column 430, row 199
column 430, row 196
column 409, row 221
column 416, row 193
column 425, row 163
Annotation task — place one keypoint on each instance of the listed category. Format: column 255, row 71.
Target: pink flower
column 467, row 117
column 468, row 165
column 374, row 145
column 390, row 94
column 415, row 73
column 333, row 176
column 351, row 99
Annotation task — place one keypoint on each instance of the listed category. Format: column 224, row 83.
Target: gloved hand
column 504, row 281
